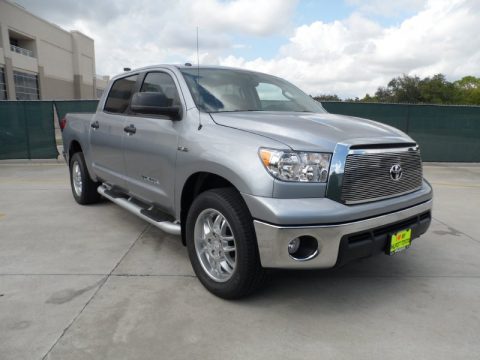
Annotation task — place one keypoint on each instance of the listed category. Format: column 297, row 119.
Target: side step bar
column 133, row 207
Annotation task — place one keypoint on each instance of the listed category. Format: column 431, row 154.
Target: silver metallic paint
column 315, row 211
column 311, row 132
column 273, row 240
column 226, row 144
column 106, row 146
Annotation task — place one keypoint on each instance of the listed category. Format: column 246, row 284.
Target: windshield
column 223, row 90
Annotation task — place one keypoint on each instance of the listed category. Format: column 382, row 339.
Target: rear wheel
column 84, row 190
column 222, row 245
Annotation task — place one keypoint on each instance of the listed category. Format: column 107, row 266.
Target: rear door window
column 120, row 94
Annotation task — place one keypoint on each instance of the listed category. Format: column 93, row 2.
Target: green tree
column 429, row 90
column 468, row 90
column 356, row 99
column 405, row 89
column 468, row 83
column 382, row 94
column 327, row 97
column 437, row 90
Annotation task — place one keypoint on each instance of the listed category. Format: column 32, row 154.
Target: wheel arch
column 196, row 184
column 73, row 148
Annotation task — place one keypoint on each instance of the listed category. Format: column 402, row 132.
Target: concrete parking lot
column 97, row 283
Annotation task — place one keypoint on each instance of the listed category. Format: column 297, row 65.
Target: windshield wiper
column 228, row 111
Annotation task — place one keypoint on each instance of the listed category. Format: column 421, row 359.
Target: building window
column 3, row 88
column 26, row 86
column 21, row 44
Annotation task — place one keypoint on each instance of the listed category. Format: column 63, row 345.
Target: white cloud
column 354, row 56
column 349, row 57
column 257, row 17
column 144, row 32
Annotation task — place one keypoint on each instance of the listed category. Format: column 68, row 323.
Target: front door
column 150, row 152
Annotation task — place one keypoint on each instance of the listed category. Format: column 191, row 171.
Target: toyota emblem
column 396, row 172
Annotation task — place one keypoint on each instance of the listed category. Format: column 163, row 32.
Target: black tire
column 88, row 190
column 248, row 274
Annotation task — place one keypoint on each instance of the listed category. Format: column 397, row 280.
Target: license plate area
column 399, row 241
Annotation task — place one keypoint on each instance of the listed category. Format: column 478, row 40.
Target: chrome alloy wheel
column 215, row 245
column 77, row 178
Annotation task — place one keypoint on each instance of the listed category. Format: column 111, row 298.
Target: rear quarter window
column 120, row 93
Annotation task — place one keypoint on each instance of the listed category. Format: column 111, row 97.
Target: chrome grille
column 367, row 174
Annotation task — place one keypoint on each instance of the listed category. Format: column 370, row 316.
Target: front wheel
column 84, row 190
column 222, row 245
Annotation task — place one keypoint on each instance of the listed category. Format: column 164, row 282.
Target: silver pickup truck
column 251, row 172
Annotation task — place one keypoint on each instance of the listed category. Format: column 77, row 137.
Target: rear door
column 107, row 132
column 150, row 152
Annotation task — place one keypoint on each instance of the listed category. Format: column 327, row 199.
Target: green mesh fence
column 444, row 133
column 75, row 106
column 27, row 130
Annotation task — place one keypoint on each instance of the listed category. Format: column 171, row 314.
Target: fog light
column 303, row 248
column 293, row 246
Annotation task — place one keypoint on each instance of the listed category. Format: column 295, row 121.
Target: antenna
column 198, row 85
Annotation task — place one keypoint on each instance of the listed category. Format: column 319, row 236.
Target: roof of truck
column 178, row 66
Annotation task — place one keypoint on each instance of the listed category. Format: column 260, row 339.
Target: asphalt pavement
column 95, row 282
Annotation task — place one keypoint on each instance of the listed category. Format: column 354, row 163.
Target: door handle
column 130, row 129
column 95, row 125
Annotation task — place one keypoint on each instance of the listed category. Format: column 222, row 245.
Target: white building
column 39, row 60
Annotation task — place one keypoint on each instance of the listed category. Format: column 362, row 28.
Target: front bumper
column 339, row 243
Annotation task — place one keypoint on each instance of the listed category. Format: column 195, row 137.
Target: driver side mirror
column 154, row 103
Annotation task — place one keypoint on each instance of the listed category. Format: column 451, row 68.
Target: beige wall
column 87, row 69
column 88, row 92
column 66, row 59
column 102, row 82
column 56, row 61
column 57, row 89
column 22, row 62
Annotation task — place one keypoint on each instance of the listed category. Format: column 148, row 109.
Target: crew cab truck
column 251, row 172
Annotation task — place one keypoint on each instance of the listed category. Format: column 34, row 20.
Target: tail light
column 63, row 123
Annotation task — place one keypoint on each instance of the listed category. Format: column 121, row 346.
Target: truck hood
column 311, row 131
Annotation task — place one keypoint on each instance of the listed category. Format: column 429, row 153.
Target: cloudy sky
column 347, row 47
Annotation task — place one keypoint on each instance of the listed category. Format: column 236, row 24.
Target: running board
column 133, row 207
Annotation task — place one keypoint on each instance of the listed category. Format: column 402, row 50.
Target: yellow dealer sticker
column 400, row 241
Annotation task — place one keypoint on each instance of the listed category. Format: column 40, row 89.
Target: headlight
column 296, row 166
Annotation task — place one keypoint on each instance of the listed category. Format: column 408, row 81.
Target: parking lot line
column 455, row 185
column 31, row 164
column 22, row 181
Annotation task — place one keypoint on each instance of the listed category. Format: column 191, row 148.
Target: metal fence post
column 407, row 129
column 27, row 129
